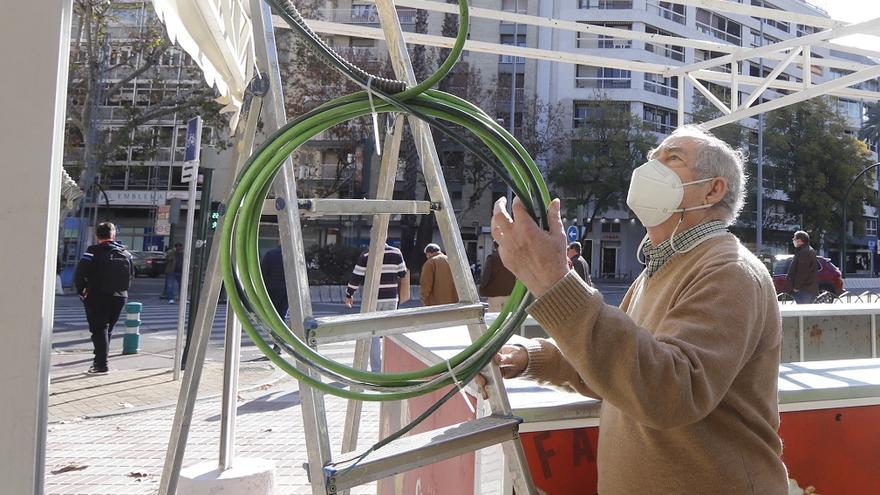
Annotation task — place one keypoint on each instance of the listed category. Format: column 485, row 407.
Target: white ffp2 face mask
column 655, row 193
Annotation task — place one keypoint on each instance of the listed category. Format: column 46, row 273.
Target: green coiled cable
column 239, row 253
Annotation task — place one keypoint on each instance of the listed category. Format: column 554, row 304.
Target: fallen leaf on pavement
column 68, row 468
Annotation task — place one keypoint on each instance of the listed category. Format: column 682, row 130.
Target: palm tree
column 870, row 131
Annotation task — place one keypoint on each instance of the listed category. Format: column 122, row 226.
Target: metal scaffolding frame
column 784, row 52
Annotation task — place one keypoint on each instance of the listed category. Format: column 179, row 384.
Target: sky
column 853, row 11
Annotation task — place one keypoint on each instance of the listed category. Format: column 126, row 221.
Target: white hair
column 715, row 158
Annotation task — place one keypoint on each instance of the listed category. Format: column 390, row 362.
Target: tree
column 310, row 82
column 113, row 46
column 809, row 146
column 870, row 131
column 607, row 145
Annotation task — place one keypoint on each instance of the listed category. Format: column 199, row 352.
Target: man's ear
column 717, row 192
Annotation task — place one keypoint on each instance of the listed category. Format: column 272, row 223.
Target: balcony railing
column 366, row 15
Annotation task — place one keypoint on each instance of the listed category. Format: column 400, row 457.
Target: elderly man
column 687, row 367
column 436, row 284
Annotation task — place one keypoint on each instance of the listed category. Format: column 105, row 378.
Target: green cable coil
column 239, row 255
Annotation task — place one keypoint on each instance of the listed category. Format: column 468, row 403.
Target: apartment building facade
column 144, row 172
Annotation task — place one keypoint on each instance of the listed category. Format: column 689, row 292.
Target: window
column 666, row 86
column 590, row 40
column 804, row 30
column 703, row 55
column 123, row 97
column 520, row 6
column 660, row 119
column 673, row 12
column 780, row 25
column 610, row 227
column 669, row 51
column 758, row 40
column 590, row 76
column 508, row 39
column 502, row 90
column 590, row 111
column 719, row 26
column 605, row 4
column 871, row 227
column 120, row 55
column 363, row 14
column 850, row 109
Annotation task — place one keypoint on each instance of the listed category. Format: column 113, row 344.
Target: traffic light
column 214, row 220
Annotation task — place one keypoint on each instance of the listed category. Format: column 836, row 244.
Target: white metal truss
column 798, row 50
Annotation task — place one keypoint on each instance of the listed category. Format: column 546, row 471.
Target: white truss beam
column 817, row 90
column 764, row 51
column 359, row 31
column 772, row 77
column 711, row 97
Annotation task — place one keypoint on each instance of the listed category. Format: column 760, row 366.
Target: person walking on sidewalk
column 103, row 276
column 578, row 263
column 436, row 285
column 272, row 267
column 496, row 281
column 803, row 273
column 392, row 272
column 173, row 271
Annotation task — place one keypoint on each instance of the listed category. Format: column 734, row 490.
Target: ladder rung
column 348, row 327
column 422, row 449
column 316, row 207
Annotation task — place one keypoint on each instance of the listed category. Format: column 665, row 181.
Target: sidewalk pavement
column 135, row 382
column 110, row 433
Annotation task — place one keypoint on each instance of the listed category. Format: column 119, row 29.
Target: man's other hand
column 537, row 257
column 348, row 301
column 512, row 360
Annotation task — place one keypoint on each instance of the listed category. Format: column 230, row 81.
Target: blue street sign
column 871, row 245
column 572, row 233
column 193, row 139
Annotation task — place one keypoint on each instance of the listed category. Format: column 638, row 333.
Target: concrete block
column 248, row 476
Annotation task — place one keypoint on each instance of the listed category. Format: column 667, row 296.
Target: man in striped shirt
column 393, row 270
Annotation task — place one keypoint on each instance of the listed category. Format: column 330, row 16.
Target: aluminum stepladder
column 409, row 452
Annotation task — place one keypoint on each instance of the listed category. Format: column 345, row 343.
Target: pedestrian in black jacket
column 102, row 279
column 802, row 280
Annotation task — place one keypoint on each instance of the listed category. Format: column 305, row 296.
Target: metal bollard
column 132, row 337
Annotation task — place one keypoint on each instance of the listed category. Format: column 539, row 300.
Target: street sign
column 572, row 233
column 193, row 139
column 872, row 245
column 189, row 171
column 163, row 223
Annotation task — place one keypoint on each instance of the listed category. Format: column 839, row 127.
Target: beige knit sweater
column 687, row 370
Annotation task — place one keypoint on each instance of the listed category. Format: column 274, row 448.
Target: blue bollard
column 132, row 337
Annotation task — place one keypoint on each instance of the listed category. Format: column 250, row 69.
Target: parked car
column 829, row 276
column 148, row 263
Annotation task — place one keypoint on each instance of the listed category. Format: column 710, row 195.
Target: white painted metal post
column 184, row 279
column 34, row 89
column 873, row 335
column 232, row 342
column 801, row 338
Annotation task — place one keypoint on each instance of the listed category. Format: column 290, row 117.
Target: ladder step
column 422, row 449
column 316, row 207
column 347, row 327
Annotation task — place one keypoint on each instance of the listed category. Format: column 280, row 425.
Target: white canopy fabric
column 218, row 35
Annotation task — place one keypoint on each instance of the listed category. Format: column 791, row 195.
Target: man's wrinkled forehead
column 675, row 144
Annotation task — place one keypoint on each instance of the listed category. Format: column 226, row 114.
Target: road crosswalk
column 155, row 317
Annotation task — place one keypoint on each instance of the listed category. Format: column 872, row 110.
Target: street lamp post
column 845, row 198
